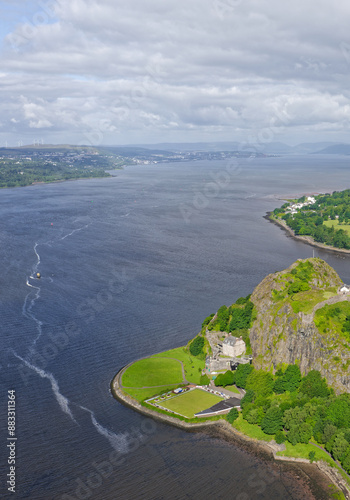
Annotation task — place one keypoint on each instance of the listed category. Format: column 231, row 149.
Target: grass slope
column 153, row 372
column 193, row 366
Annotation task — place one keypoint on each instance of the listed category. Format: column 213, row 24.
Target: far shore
column 313, row 478
column 306, row 239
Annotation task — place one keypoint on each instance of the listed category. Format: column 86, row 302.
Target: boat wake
column 74, row 231
column 62, row 400
column 118, row 441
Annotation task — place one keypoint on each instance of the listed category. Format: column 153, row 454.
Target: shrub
column 280, row 437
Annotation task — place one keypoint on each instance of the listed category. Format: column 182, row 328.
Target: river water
column 131, row 265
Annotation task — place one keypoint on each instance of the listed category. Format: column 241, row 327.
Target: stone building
column 233, row 346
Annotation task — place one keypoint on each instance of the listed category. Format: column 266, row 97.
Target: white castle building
column 233, row 346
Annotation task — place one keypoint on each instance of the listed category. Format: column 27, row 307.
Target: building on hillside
column 344, row 289
column 233, row 346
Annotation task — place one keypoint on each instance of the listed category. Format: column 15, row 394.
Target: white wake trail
column 118, row 441
column 62, row 400
column 75, row 231
column 27, row 310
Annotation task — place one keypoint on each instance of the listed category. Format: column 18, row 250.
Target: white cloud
column 131, row 72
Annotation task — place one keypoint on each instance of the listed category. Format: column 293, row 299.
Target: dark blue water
column 131, row 266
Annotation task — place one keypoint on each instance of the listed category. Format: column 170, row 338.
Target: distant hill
column 336, row 149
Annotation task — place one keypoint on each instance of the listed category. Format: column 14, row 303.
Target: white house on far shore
column 344, row 289
column 233, row 346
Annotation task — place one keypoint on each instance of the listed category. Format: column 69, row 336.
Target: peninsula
column 322, row 220
column 272, row 368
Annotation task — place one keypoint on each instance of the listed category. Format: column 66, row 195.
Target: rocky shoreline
column 305, row 239
column 314, row 478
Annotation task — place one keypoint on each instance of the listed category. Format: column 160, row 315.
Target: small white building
column 344, row 289
column 233, row 346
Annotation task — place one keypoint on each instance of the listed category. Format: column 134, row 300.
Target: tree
column 242, row 373
column 232, row 415
column 272, row 422
column 224, row 379
column 339, row 447
column 328, row 431
column 247, row 398
column 313, row 385
column 255, row 415
column 289, row 381
column 261, row 382
column 204, row 380
column 346, row 460
column 280, row 437
column 339, row 411
column 196, row 346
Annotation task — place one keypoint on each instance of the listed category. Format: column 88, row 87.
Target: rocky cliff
column 301, row 316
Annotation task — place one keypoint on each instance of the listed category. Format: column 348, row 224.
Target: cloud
column 152, row 71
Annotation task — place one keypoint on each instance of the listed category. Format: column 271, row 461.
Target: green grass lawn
column 152, row 372
column 191, row 402
column 231, row 388
column 335, row 223
column 250, row 430
column 193, row 366
column 301, row 450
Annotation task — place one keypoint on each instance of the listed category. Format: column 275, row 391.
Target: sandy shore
column 314, row 479
column 305, row 239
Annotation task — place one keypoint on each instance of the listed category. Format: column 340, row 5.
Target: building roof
column 230, row 340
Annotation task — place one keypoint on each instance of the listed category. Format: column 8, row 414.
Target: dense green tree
column 346, row 460
column 196, row 346
column 272, row 421
column 313, row 385
column 224, row 379
column 247, row 398
column 255, row 415
column 242, row 373
column 260, row 382
column 289, row 381
column 280, row 437
column 328, row 432
column 204, row 380
column 232, row 415
column 338, row 411
column 339, row 447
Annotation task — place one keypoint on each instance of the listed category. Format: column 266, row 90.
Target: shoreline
column 305, row 239
column 315, row 477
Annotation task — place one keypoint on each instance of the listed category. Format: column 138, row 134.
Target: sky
column 149, row 71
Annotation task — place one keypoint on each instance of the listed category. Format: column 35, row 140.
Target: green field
column 335, row 223
column 193, row 366
column 191, row 402
column 153, row 372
